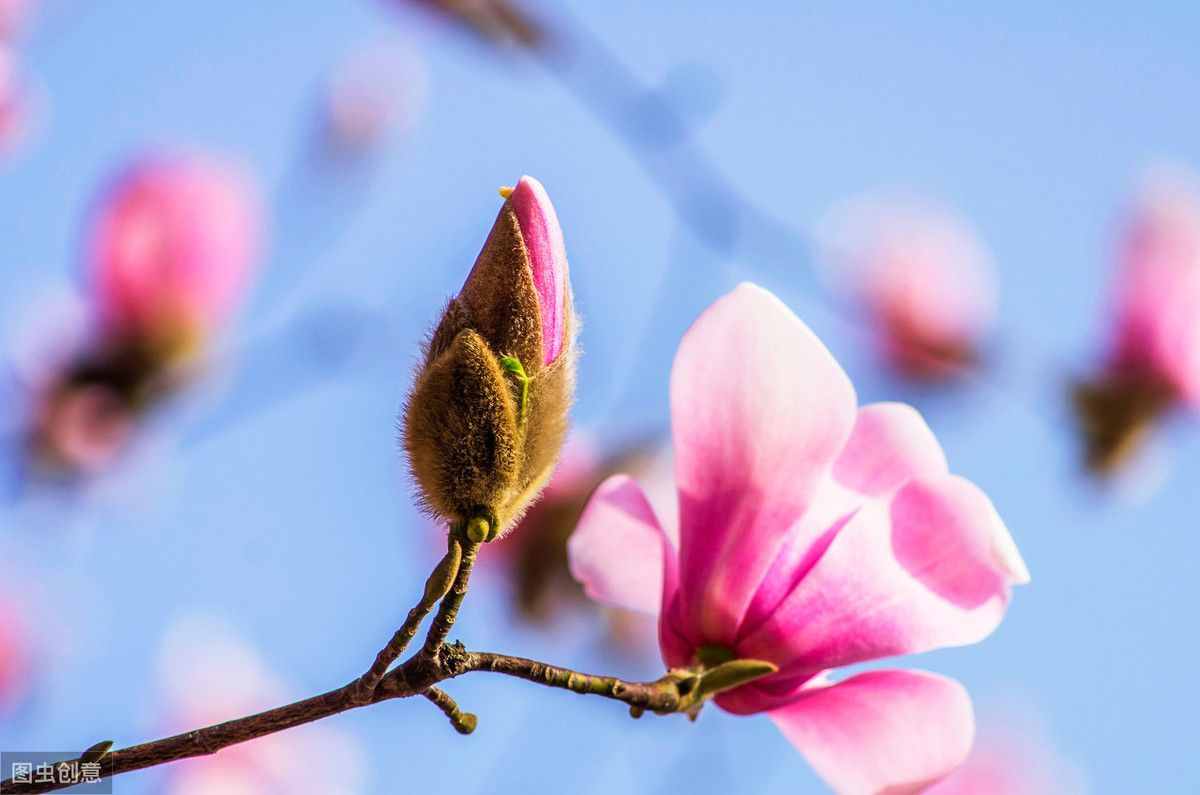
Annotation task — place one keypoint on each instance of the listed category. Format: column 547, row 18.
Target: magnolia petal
column 543, row 239
column 890, row 445
column 618, row 551
column 760, row 410
column 890, row 732
column 932, row 567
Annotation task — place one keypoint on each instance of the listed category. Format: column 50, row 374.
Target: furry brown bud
column 487, row 415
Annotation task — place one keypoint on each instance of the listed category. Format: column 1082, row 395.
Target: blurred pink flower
column 172, row 248
column 377, row 90
column 15, row 670
column 923, row 277
column 814, row 535
column 210, row 675
column 1152, row 363
column 14, row 103
column 1157, row 291
column 83, row 427
column 14, row 14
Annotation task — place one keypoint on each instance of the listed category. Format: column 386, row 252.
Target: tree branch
column 418, row 674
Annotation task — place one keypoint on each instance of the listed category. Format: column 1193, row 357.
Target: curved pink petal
column 931, row 567
column 759, row 410
column 890, row 732
column 618, row 551
column 547, row 257
column 890, row 444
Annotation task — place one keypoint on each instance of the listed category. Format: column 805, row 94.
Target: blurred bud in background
column 169, row 252
column 14, row 18
column 487, row 415
column 15, row 657
column 15, row 104
column 502, row 22
column 207, row 675
column 533, row 557
column 1152, row 363
column 377, row 92
column 922, row 276
column 171, row 249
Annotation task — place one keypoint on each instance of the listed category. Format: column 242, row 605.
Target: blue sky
column 291, row 518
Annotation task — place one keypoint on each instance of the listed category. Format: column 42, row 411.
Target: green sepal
column 734, row 673
column 513, row 366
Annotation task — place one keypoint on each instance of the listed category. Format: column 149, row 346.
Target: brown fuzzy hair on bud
column 487, row 415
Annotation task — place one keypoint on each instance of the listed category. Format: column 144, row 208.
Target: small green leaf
column 513, row 366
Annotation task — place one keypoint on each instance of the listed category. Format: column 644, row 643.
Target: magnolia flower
column 812, row 535
column 488, row 411
column 1153, row 359
column 210, row 675
column 924, row 279
column 171, row 250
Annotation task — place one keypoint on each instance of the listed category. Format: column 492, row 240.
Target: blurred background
column 258, row 541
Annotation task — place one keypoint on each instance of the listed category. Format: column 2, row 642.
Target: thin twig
column 444, row 575
column 447, row 612
column 463, row 722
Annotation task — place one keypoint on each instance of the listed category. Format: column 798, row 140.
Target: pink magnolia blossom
column 925, row 280
column 172, row 247
column 812, row 534
column 211, row 675
column 1157, row 292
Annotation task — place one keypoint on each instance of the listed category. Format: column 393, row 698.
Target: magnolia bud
column 488, row 411
column 171, row 250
